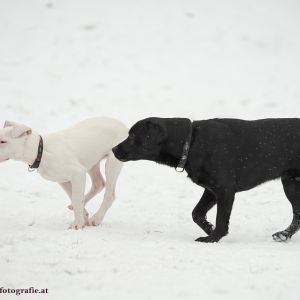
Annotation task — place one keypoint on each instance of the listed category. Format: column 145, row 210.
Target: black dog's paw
column 281, row 236
column 208, row 239
column 206, row 226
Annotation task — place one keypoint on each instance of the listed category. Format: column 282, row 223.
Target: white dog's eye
column 3, row 142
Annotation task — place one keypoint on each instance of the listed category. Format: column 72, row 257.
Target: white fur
column 68, row 156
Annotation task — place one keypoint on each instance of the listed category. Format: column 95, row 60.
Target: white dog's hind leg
column 112, row 170
column 78, row 186
column 98, row 183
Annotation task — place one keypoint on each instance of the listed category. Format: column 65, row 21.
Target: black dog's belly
column 240, row 181
column 249, row 179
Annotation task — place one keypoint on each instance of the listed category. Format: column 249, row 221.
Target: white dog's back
column 94, row 136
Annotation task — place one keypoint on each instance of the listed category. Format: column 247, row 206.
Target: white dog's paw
column 94, row 221
column 77, row 225
column 85, row 216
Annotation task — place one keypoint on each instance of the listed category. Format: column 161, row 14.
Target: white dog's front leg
column 112, row 170
column 78, row 186
column 67, row 187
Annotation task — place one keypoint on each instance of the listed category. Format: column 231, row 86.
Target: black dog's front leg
column 207, row 201
column 225, row 200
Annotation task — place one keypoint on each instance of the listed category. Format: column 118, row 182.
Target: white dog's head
column 12, row 139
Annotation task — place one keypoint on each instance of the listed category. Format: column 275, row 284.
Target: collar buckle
column 185, row 152
column 31, row 169
column 179, row 169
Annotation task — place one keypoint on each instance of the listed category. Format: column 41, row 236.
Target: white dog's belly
column 55, row 173
column 55, row 177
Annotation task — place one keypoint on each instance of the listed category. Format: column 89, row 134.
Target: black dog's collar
column 185, row 152
column 38, row 159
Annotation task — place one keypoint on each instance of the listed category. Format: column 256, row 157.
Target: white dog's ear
column 19, row 130
column 8, row 123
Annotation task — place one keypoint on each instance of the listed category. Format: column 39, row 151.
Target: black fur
column 226, row 156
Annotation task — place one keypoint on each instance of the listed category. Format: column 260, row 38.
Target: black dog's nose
column 116, row 152
column 114, row 149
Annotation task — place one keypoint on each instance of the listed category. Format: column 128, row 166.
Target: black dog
column 225, row 156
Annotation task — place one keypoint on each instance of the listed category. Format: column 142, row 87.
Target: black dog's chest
column 201, row 177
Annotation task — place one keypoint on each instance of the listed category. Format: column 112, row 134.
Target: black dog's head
column 144, row 141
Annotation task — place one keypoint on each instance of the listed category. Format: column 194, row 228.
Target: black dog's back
column 257, row 151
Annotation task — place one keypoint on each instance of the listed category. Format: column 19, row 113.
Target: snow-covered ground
column 63, row 61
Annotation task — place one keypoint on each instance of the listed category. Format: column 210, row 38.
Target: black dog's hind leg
column 284, row 235
column 225, row 198
column 291, row 186
column 207, row 201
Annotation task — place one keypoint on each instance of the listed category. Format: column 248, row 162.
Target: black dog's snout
column 118, row 153
column 115, row 151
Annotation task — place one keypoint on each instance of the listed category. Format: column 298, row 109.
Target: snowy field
column 64, row 61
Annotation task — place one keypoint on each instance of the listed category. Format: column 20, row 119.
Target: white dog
column 66, row 156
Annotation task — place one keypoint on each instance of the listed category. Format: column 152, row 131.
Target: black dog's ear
column 157, row 130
